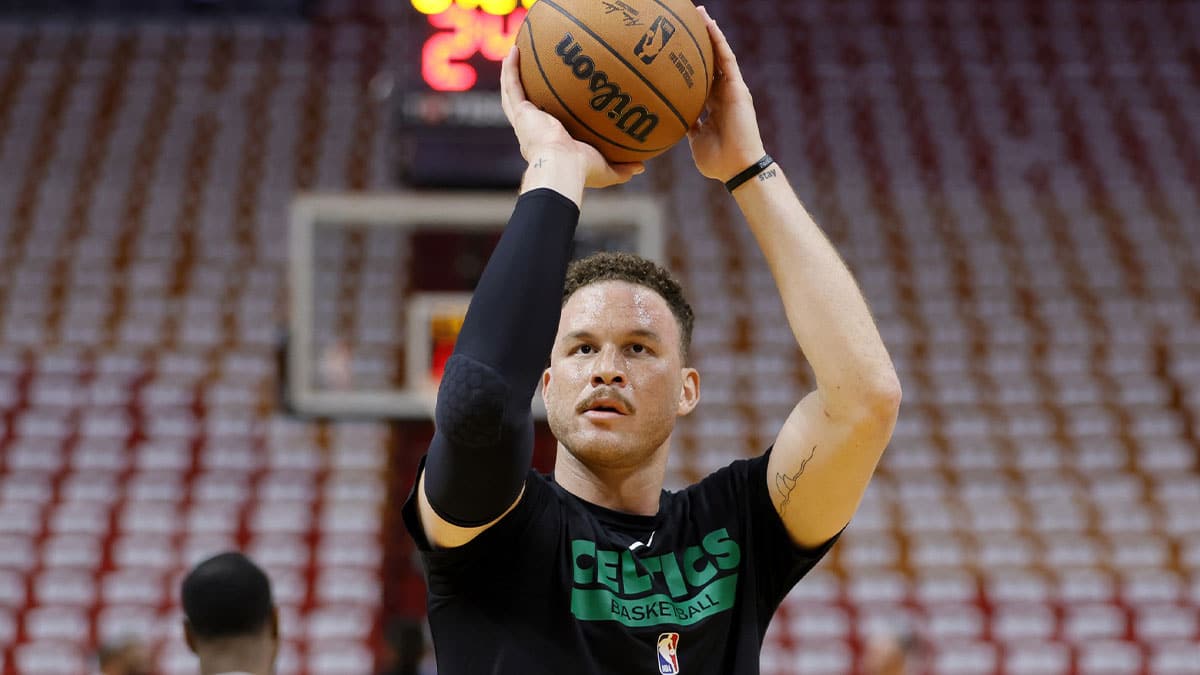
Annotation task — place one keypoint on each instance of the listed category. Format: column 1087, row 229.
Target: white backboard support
column 639, row 217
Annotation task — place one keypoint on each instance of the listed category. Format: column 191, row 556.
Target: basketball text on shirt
column 617, row 585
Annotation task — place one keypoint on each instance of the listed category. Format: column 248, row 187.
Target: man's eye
column 584, row 349
column 638, row 349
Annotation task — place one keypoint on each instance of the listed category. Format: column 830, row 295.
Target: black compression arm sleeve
column 483, row 444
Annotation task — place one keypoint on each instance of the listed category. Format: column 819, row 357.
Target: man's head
column 230, row 619
column 127, row 656
column 618, row 378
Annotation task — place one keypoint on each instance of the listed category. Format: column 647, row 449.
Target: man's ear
column 545, row 384
column 189, row 637
column 689, row 391
column 275, row 641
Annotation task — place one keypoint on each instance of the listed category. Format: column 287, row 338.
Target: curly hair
column 618, row 266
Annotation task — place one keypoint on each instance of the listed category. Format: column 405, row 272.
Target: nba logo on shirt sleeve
column 668, row 659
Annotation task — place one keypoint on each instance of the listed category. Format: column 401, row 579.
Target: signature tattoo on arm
column 786, row 484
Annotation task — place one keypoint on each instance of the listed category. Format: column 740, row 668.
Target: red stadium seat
column 1110, row 657
column 200, row 547
column 220, row 488
column 154, row 552
column 215, row 517
column 8, row 627
column 819, row 622
column 1151, row 586
column 818, row 656
column 281, row 518
column 1086, row 585
column 347, row 585
column 139, row 587
column 946, row 586
column 1016, row 586
column 1036, row 658
column 337, row 550
column 822, row 586
column 965, row 658
column 1090, row 622
column 95, row 481
column 1023, row 622
column 337, row 623
column 80, row 551
column 17, row 552
column 1171, row 658
column 118, row 621
column 877, row 586
column 28, row 488
column 61, row 623
column 281, row 550
column 149, row 517
column 65, row 587
column 49, row 658
column 340, row 657
column 953, row 622
column 1163, row 623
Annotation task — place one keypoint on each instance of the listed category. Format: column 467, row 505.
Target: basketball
column 629, row 77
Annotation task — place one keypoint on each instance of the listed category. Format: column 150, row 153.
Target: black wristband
column 755, row 169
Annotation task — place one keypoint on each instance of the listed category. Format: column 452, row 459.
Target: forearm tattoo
column 785, row 484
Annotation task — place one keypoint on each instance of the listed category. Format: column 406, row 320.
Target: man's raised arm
column 827, row 450
column 476, row 466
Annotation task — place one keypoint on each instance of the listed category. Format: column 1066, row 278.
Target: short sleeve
column 776, row 563
column 531, row 527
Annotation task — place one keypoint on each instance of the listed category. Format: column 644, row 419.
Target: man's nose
column 609, row 369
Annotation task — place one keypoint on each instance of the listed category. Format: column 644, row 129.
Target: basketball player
column 597, row 569
column 231, row 622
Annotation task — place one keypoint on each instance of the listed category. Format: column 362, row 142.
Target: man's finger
column 504, row 84
column 511, row 92
column 727, row 65
column 631, row 168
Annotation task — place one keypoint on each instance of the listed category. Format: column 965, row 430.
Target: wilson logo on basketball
column 636, row 122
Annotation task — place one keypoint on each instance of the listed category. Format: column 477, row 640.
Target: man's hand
column 727, row 141
column 544, row 141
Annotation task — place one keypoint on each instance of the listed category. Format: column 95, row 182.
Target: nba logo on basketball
column 652, row 43
column 668, row 659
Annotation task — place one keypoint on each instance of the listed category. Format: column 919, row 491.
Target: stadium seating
column 143, row 240
column 1014, row 185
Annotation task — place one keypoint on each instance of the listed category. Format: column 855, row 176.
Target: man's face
column 616, row 380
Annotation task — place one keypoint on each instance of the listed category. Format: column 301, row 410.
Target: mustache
column 606, row 393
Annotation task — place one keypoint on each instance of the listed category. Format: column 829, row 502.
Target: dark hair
column 618, row 266
column 227, row 596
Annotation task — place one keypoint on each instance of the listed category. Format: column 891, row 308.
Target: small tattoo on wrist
column 767, row 175
column 540, row 163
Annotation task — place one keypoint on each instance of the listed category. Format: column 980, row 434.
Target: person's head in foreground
column 230, row 620
column 618, row 376
column 891, row 654
column 126, row 656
